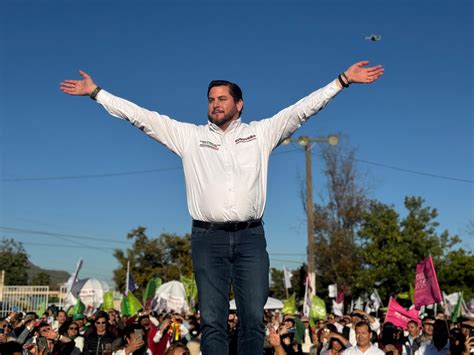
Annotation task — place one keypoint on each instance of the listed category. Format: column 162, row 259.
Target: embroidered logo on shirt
column 207, row 144
column 246, row 139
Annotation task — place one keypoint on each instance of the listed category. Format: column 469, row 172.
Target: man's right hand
column 78, row 87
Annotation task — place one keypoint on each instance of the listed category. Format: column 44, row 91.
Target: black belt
column 228, row 226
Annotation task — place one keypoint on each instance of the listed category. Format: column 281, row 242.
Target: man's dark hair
column 234, row 89
column 363, row 324
column 428, row 318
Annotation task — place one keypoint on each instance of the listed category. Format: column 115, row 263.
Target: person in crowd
column 457, row 342
column 363, row 345
column 177, row 349
column 59, row 321
column 134, row 341
column 98, row 339
column 427, row 334
column 47, row 340
column 11, row 348
column 356, row 317
column 274, row 340
column 409, row 340
column 233, row 331
column 388, row 340
column 72, row 332
column 332, row 319
column 307, row 340
column 440, row 344
column 80, row 319
column 336, row 342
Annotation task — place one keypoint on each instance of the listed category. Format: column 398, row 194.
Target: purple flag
column 426, row 284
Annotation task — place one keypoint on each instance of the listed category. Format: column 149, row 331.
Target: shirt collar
column 215, row 128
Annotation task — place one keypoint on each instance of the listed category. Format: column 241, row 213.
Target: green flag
column 150, row 290
column 300, row 328
column 457, row 309
column 42, row 308
column 289, row 305
column 124, row 307
column 318, row 308
column 134, row 304
column 190, row 288
column 108, row 301
column 79, row 308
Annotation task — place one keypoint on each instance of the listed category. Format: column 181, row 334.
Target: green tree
column 41, row 279
column 14, row 260
column 336, row 222
column 391, row 247
column 168, row 256
column 456, row 273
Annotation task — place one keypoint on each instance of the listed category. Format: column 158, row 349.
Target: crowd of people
column 108, row 332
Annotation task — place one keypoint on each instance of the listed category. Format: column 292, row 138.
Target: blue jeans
column 222, row 258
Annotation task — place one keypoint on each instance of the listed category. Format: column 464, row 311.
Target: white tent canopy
column 90, row 291
column 272, row 303
column 171, row 296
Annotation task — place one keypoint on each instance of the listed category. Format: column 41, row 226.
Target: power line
column 140, row 172
column 89, row 176
column 414, row 171
column 59, row 235
column 65, row 246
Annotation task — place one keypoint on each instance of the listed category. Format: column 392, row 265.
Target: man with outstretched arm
column 225, row 165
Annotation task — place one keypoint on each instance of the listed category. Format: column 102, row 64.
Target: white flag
column 338, row 308
column 307, row 298
column 376, row 300
column 287, row 275
column 332, row 289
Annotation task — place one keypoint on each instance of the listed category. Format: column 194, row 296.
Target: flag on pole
column 376, row 300
column 426, row 284
column 332, row 291
column 338, row 308
column 289, row 305
column 150, row 290
column 134, row 304
column 73, row 279
column 399, row 316
column 124, row 306
column 318, row 308
column 78, row 308
column 287, row 277
column 42, row 308
column 130, row 284
column 108, row 301
column 307, row 299
column 190, row 288
column 457, row 308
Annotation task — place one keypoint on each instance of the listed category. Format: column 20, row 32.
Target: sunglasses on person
column 73, row 328
column 98, row 323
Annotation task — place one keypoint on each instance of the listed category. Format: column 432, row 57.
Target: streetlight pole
column 307, row 142
column 309, row 208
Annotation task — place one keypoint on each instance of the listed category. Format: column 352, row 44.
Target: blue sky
column 162, row 55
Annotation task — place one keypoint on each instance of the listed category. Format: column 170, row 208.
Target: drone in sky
column 374, row 38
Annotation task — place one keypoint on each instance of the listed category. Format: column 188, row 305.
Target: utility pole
column 307, row 143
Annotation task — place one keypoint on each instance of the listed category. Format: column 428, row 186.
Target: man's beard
column 228, row 117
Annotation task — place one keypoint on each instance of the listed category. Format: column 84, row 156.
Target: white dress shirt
column 225, row 171
column 355, row 350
